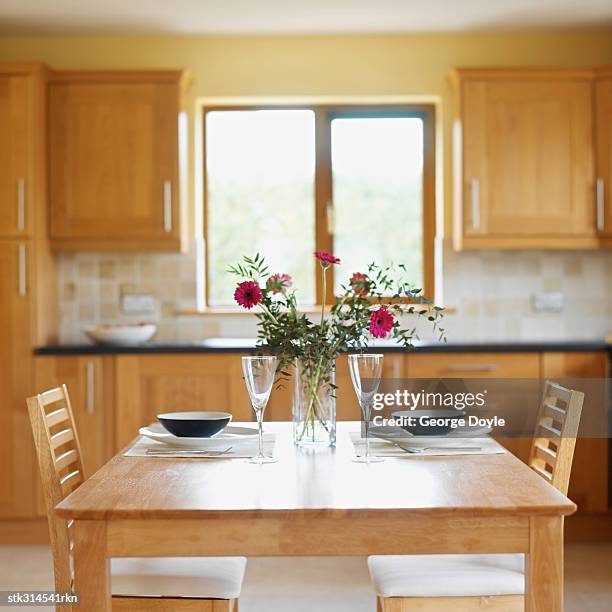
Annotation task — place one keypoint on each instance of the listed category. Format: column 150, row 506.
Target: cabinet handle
column 21, row 205
column 475, row 204
column 22, row 270
column 329, row 209
column 91, row 378
column 600, row 191
column 473, row 367
column 396, row 368
column 167, row 206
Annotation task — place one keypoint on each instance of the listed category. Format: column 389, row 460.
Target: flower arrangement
column 370, row 305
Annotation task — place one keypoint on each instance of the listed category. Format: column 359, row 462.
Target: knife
column 211, row 453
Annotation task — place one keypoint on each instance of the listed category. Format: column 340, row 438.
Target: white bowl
column 122, row 335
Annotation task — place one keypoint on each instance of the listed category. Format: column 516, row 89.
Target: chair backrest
column 61, row 470
column 552, row 449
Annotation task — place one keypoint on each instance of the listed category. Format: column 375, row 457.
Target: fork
column 162, row 452
column 416, row 451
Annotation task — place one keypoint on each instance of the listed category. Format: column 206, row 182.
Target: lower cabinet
column 149, row 384
column 589, row 481
column 90, row 383
column 112, row 396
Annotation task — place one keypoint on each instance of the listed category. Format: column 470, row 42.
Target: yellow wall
column 319, row 65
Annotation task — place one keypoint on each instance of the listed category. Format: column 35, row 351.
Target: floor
column 326, row 584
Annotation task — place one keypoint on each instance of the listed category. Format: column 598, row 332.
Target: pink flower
column 326, row 259
column 381, row 322
column 360, row 284
column 248, row 294
column 278, row 283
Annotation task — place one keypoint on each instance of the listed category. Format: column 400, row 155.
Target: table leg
column 544, row 565
column 91, row 566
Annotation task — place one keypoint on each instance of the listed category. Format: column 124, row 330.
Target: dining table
column 316, row 502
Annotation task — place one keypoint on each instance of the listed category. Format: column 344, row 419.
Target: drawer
column 473, row 365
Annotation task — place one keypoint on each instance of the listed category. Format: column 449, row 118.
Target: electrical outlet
column 551, row 301
column 138, row 303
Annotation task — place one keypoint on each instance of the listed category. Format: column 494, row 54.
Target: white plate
column 230, row 436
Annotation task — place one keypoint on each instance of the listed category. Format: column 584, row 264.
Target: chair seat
column 201, row 577
column 447, row 575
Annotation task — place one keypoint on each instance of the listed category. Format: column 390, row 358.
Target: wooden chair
column 470, row 583
column 192, row 584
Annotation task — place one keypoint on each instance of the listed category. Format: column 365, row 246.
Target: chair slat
column 70, row 481
column 549, row 432
column 61, row 438
column 65, row 459
column 547, row 475
column 56, row 417
column 554, row 412
column 547, row 455
column 559, row 391
column 49, row 397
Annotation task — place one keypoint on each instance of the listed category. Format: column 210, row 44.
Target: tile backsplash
column 492, row 292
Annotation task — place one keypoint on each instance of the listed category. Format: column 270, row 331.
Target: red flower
column 326, row 259
column 381, row 322
column 360, row 284
column 278, row 283
column 248, row 294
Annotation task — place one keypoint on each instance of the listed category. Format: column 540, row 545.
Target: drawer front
column 473, row 365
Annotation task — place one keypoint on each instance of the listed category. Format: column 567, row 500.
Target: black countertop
column 245, row 345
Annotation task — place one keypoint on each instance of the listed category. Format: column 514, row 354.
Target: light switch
column 138, row 303
column 550, row 301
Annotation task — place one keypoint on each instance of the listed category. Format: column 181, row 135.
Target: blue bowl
column 194, row 424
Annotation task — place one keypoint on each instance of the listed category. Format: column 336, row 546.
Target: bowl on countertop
column 194, row 424
column 121, row 334
column 429, row 422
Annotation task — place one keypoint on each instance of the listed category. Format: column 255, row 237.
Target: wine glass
column 366, row 369
column 259, row 373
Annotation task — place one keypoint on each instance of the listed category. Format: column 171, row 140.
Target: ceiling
column 216, row 17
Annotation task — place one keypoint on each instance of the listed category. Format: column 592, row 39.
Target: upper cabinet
column 114, row 152
column 603, row 141
column 524, row 159
column 16, row 144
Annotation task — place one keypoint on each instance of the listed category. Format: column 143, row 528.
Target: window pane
column 377, row 168
column 260, row 195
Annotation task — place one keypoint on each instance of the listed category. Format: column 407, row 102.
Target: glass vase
column 314, row 405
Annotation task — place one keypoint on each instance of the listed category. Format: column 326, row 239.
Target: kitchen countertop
column 241, row 345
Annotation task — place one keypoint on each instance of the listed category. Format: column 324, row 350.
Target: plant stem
column 323, row 294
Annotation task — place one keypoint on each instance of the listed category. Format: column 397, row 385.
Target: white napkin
column 244, row 449
column 430, row 446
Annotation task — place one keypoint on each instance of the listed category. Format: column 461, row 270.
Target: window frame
column 323, row 188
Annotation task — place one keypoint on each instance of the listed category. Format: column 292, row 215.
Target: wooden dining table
column 317, row 502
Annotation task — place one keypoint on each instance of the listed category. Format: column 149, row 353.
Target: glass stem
column 259, row 414
column 366, row 418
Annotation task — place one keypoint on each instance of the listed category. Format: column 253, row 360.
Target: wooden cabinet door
column 473, row 365
column 589, row 480
column 149, row 384
column 603, row 136
column 89, row 379
column 479, row 365
column 16, row 442
column 15, row 155
column 113, row 156
column 527, row 160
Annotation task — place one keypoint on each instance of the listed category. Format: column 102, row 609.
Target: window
column 284, row 182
